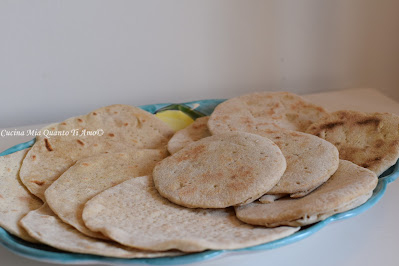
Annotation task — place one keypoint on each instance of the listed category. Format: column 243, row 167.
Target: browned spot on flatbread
column 294, row 134
column 369, row 121
column 37, row 182
column 331, row 125
column 94, row 113
column 48, row 146
column 223, row 117
column 187, row 190
column 297, row 105
column 1, row 197
column 85, row 164
column 26, row 199
column 33, row 157
column 244, row 171
column 370, row 162
column 239, row 178
column 80, row 142
column 199, row 126
column 277, row 117
column 236, row 185
column 111, row 134
column 8, row 170
column 80, row 120
column 63, row 123
column 195, row 152
column 126, row 124
column 342, row 114
column 379, row 143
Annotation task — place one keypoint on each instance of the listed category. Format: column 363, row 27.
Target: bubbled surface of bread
column 134, row 214
column 220, row 171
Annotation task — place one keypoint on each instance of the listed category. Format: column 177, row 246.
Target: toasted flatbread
column 349, row 187
column 15, row 199
column 311, row 161
column 370, row 140
column 120, row 127
column 134, row 214
column 264, row 110
column 220, row 171
column 92, row 175
column 46, row 227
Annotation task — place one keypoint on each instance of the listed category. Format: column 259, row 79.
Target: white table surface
column 367, row 239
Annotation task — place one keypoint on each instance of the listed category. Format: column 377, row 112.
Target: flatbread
column 47, row 228
column 134, row 214
column 15, row 199
column 310, row 161
column 90, row 176
column 370, row 140
column 123, row 127
column 220, row 171
column 264, row 110
column 192, row 133
column 348, row 188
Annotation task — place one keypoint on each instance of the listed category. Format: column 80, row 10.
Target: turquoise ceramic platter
column 193, row 109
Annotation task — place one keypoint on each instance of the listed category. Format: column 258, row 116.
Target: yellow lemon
column 175, row 119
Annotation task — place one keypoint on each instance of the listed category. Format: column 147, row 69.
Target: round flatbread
column 370, row 140
column 348, row 188
column 134, row 214
column 264, row 110
column 113, row 128
column 46, row 227
column 220, row 171
column 92, row 175
column 192, row 133
column 15, row 199
column 310, row 161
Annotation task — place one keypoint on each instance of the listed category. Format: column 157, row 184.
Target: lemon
column 175, row 119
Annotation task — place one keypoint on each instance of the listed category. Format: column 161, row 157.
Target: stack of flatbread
column 256, row 170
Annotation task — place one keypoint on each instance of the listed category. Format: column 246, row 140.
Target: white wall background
column 64, row 58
